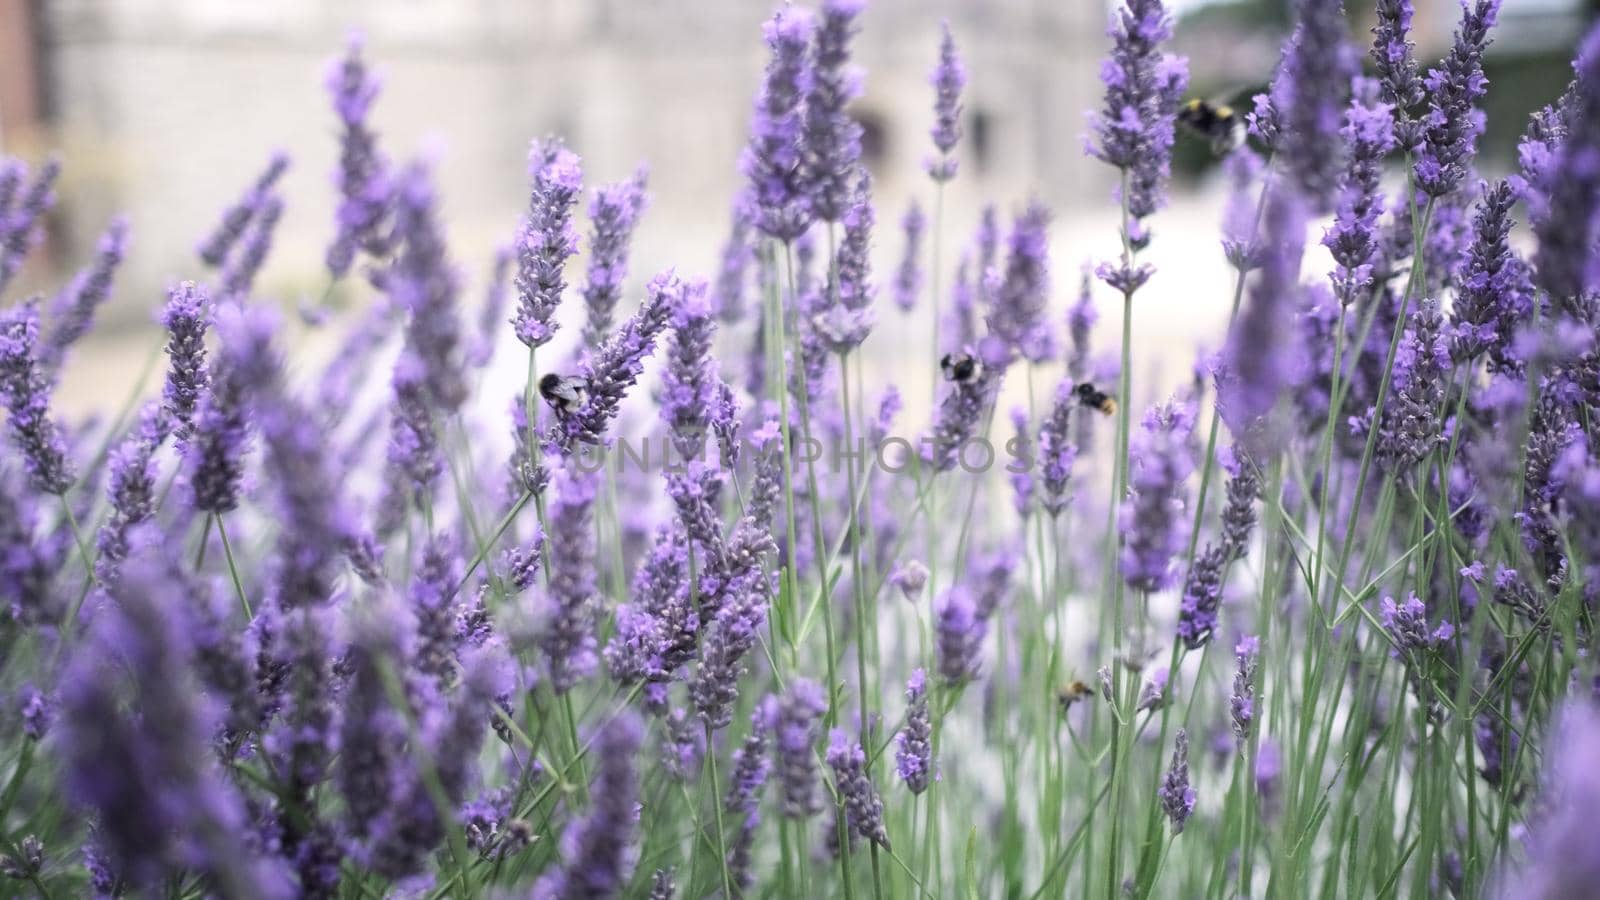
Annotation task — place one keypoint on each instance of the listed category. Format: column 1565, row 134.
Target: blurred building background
column 165, row 110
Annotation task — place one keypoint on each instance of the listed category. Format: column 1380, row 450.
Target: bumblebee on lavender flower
column 960, row 367
column 1096, row 399
column 1218, row 123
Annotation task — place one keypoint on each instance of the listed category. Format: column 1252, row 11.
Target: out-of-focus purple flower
column 363, row 173
column 186, row 317
column 960, row 412
column 37, row 711
column 1538, row 150
column 959, row 632
column 1241, row 243
column 1133, row 130
column 733, row 269
column 910, row 577
column 546, row 239
column 569, row 637
column 794, row 748
column 846, row 317
column 1177, row 798
column 215, row 247
column 1564, row 261
column 1244, row 489
column 1056, row 452
column 1369, row 133
column 1151, row 519
column 424, row 282
column 913, row 755
column 72, row 312
column 1017, row 317
column 738, row 589
column 494, row 306
column 618, row 363
column 682, row 743
column 239, row 273
column 130, row 488
column 1242, row 705
column 1310, row 92
column 1561, row 858
column 372, row 732
column 947, row 78
column 908, row 275
column 25, row 391
column 1258, row 361
column 214, row 453
column 689, row 379
column 1451, row 126
column 1407, row 624
column 1494, row 294
column 1020, row 471
column 27, row 565
column 750, row 768
column 1153, row 693
column 832, row 137
column 774, row 159
column 863, row 808
column 1396, row 64
column 1412, row 423
column 25, row 219
column 597, row 848
column 614, row 211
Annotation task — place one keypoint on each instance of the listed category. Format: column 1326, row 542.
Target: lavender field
column 693, row 605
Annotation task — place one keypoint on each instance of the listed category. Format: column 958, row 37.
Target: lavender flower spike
column 751, row 766
column 597, row 852
column 1452, row 123
column 1309, row 92
column 613, row 213
column 1257, row 361
column 1151, row 519
column 25, row 393
column 569, row 640
column 1369, row 131
column 845, row 317
column 1494, row 293
column 1017, row 317
column 832, row 136
column 363, row 173
column 23, row 221
column 947, row 78
column 1056, row 452
column 1177, row 798
column 863, row 809
column 773, row 159
column 1411, row 425
column 131, row 491
column 214, row 452
column 73, row 311
column 214, row 248
column 240, row 271
column 545, row 240
column 1570, row 185
column 186, row 317
column 1134, row 129
column 959, row 632
column 913, row 756
column 1561, row 858
column 908, row 275
column 1393, row 57
column 1242, row 705
column 798, row 712
column 689, row 380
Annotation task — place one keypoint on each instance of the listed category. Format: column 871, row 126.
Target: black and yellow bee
column 1071, row 693
column 564, row 393
column 1218, row 123
column 960, row 367
column 1094, row 398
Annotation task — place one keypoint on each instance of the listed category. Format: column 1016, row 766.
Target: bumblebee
column 1072, row 692
column 960, row 368
column 1218, row 123
column 565, row 394
column 1093, row 397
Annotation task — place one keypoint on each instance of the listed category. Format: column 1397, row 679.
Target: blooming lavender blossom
column 25, row 220
column 1134, row 130
column 424, row 282
column 1020, row 472
column 689, row 380
column 1398, row 75
column 1257, row 360
column 1016, row 318
column 569, row 639
column 363, row 173
column 774, row 159
column 1407, row 624
column 214, row 453
column 832, row 138
column 131, row 492
column 25, row 391
column 751, row 766
column 846, row 317
column 947, row 78
column 958, row 635
column 73, row 310
column 1569, row 187
column 1177, row 798
column 597, row 852
column 960, row 412
column 614, row 212
column 216, row 246
column 1310, row 90
column 1056, row 452
column 1202, row 596
column 1452, row 123
column 1411, row 424
column 733, row 269
column 908, row 275
column 795, row 737
column 186, row 317
column 1242, row 705
column 546, row 239
column 739, row 590
column 863, row 808
column 1494, row 293
column 494, row 305
column 1369, row 132
column 913, row 756
column 1151, row 519
column 618, row 363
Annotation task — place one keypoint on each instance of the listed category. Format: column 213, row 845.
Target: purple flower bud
column 363, row 173
column 1134, row 130
column 947, row 78
column 733, row 271
column 689, row 381
column 1310, row 91
column 569, row 638
column 424, row 282
column 617, row 364
column 1393, row 57
column 959, row 632
column 25, row 220
column 773, row 161
column 597, row 852
column 908, row 275
column 1570, row 184
column 215, row 247
column 913, row 757
column 1241, row 705
column 25, row 392
column 73, row 310
column 1056, row 452
column 1369, row 131
column 546, row 239
column 1177, row 798
column 750, row 768
column 796, row 735
column 1411, row 425
column 845, row 317
column 1017, row 316
column 739, row 590
column 863, row 809
column 1152, row 519
column 832, row 136
column 131, row 492
column 186, row 317
column 1450, row 127
column 613, row 213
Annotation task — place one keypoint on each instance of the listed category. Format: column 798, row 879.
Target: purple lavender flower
column 1020, row 470
column 831, row 136
column 25, row 391
column 863, row 808
column 845, row 317
column 1494, row 293
column 661, row 630
column 239, row 273
column 494, row 306
column 372, row 732
column 546, row 239
column 1151, row 519
column 130, row 491
column 1177, row 798
column 910, row 577
column 947, row 78
column 1397, row 69
column 1452, row 123
column 1411, row 424
column 73, row 310
column 1309, row 94
column 1369, row 131
column 424, row 282
column 1561, row 859
column 27, row 564
column 363, row 173
column 959, row 632
column 1202, row 595
column 682, row 742
column 1134, row 129
column 1016, row 318
column 614, row 211
column 1242, row 705
column 569, row 639
column 186, row 317
column 733, row 270
column 25, row 219
column 214, row 454
column 1563, row 262
column 597, row 852
column 689, row 380
column 913, row 756
column 774, row 159
column 215, row 247
column 618, row 363
column 1407, row 624
column 1153, row 693
column 750, row 768
column 736, row 587
column 1056, row 452
column 795, row 738
column 1258, row 362
column 960, row 412
column 908, row 275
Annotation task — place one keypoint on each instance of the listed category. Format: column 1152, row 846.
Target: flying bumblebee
column 565, row 394
column 1218, row 123
column 960, row 367
column 1071, row 693
column 1094, row 398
